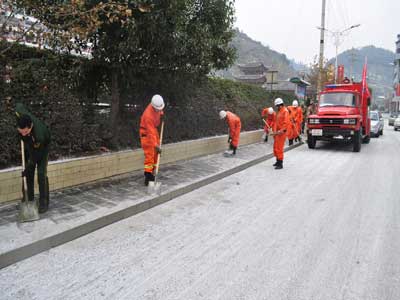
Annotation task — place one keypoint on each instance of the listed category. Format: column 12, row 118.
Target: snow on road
column 327, row 226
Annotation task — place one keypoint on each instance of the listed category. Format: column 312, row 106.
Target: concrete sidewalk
column 77, row 211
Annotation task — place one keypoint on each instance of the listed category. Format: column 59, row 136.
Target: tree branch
column 19, row 38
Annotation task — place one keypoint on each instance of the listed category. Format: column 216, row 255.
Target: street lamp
column 337, row 35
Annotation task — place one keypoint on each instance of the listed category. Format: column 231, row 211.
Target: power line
column 332, row 12
column 346, row 11
column 342, row 12
column 337, row 15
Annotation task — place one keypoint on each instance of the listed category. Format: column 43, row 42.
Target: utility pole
column 321, row 47
column 337, row 35
column 353, row 59
column 337, row 43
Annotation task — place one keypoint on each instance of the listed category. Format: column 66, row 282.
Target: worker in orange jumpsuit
column 269, row 117
column 299, row 119
column 234, row 129
column 281, row 127
column 149, row 137
column 294, row 116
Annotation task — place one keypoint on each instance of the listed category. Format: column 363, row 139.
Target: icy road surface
column 327, row 226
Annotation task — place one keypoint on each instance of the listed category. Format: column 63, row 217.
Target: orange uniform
column 269, row 118
column 299, row 120
column 234, row 127
column 149, row 137
column 292, row 132
column 282, row 124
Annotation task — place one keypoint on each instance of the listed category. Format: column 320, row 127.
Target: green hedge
column 55, row 89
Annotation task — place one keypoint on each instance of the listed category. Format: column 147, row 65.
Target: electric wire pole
column 321, row 47
column 337, row 35
column 353, row 59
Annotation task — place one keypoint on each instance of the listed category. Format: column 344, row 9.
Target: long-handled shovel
column 265, row 135
column 227, row 153
column 28, row 209
column 154, row 186
column 270, row 132
column 265, row 122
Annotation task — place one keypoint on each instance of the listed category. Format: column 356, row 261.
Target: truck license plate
column 316, row 132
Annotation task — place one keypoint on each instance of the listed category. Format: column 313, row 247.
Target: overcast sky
column 289, row 26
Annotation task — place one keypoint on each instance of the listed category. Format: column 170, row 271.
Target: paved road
column 327, row 226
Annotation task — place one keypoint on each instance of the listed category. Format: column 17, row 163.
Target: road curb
column 24, row 252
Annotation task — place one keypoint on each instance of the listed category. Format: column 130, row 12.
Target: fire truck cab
column 342, row 114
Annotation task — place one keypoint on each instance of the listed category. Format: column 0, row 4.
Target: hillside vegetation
column 380, row 68
column 249, row 50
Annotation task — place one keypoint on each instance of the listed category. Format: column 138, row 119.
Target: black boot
column 148, row 177
column 43, row 193
column 275, row 164
column 48, row 192
column 291, row 142
column 266, row 138
column 42, row 207
column 234, row 150
column 279, row 165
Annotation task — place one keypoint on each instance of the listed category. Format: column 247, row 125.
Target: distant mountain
column 249, row 51
column 380, row 68
column 298, row 66
column 379, row 62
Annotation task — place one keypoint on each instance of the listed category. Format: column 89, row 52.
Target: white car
column 397, row 123
column 376, row 123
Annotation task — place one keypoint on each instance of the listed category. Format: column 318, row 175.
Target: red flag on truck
column 364, row 80
column 340, row 73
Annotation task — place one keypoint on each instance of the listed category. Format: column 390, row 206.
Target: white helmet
column 222, row 114
column 157, row 102
column 270, row 110
column 295, row 103
column 278, row 101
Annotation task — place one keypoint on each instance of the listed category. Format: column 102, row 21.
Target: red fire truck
column 342, row 114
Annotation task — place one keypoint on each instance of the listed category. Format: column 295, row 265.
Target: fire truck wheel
column 311, row 141
column 357, row 141
column 366, row 139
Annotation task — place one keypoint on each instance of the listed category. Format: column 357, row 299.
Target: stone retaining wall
column 67, row 173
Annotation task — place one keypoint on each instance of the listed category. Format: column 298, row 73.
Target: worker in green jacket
column 36, row 137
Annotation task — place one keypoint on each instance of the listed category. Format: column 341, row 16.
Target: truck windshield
column 337, row 99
